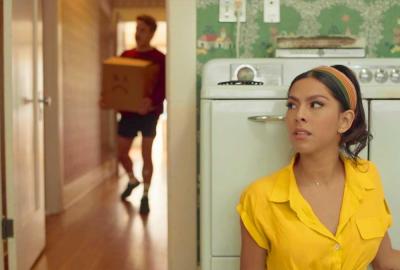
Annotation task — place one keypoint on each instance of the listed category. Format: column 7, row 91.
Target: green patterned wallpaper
column 377, row 21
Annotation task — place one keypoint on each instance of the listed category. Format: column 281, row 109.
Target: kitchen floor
column 102, row 232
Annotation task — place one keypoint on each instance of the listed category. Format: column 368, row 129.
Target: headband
column 345, row 84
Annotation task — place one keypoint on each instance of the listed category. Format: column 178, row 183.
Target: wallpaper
column 375, row 21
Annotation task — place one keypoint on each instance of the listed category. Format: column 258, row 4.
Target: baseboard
column 77, row 189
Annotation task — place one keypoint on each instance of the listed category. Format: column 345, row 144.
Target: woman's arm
column 252, row 257
column 387, row 258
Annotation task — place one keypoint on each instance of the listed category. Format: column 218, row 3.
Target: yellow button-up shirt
column 281, row 221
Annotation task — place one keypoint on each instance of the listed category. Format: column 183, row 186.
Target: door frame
column 6, row 116
column 3, row 246
column 181, row 134
column 53, row 128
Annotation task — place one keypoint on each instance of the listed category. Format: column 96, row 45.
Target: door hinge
column 7, row 228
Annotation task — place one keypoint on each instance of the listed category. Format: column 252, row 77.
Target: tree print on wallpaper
column 389, row 43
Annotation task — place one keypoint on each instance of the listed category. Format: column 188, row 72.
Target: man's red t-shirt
column 158, row 94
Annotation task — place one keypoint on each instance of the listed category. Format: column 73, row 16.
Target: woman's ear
column 345, row 121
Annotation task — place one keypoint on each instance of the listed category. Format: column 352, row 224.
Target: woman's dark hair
column 356, row 137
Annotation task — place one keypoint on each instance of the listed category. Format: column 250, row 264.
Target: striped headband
column 345, row 84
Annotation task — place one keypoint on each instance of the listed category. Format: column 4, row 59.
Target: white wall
column 76, row 161
column 181, row 96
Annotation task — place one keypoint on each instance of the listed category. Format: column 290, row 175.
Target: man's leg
column 147, row 172
column 124, row 146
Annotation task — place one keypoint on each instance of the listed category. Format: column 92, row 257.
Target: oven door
column 241, row 140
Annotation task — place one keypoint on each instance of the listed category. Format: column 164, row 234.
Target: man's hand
column 145, row 106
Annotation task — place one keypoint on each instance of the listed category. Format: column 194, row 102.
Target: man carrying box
column 145, row 117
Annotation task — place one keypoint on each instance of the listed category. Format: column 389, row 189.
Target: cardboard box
column 126, row 81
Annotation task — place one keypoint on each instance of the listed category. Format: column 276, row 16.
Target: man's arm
column 158, row 93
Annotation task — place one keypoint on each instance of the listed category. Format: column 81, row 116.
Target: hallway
column 101, row 232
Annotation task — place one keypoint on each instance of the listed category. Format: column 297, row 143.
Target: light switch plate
column 227, row 10
column 272, row 13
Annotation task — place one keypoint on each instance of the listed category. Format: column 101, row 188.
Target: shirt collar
column 355, row 177
column 356, row 183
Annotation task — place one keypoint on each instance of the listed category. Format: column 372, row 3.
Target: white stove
column 377, row 77
column 243, row 137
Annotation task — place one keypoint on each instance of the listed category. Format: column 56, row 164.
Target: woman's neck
column 322, row 167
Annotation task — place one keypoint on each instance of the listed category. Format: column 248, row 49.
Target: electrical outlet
column 272, row 11
column 227, row 10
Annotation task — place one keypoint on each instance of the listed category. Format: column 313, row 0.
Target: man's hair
column 149, row 21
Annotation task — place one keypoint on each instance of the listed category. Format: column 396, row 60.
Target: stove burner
column 240, row 83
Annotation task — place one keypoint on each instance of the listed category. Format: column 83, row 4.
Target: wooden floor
column 102, row 232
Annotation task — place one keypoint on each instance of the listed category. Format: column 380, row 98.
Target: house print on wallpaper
column 210, row 41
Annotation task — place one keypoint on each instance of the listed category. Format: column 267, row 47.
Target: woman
column 326, row 209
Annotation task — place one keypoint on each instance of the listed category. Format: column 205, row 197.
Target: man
column 146, row 117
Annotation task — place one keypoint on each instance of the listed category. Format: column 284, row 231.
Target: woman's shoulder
column 262, row 187
column 367, row 172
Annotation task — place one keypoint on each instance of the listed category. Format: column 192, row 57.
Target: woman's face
column 314, row 118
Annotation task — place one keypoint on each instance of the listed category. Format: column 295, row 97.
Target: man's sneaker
column 144, row 206
column 128, row 190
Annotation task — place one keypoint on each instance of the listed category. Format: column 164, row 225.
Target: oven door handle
column 266, row 118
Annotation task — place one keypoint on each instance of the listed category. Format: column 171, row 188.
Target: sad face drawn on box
column 120, row 84
column 127, row 83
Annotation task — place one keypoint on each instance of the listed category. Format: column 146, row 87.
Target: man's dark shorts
column 130, row 125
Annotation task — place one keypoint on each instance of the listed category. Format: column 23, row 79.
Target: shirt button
column 337, row 246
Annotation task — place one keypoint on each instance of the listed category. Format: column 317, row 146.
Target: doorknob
column 45, row 100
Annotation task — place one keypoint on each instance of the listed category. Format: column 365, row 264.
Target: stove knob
column 395, row 75
column 381, row 75
column 365, row 75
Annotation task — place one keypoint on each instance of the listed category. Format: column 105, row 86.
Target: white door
column 242, row 150
column 24, row 131
column 384, row 151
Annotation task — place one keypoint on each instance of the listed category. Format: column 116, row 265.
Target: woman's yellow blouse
column 281, row 221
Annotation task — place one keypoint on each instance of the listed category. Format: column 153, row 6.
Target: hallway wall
column 88, row 151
